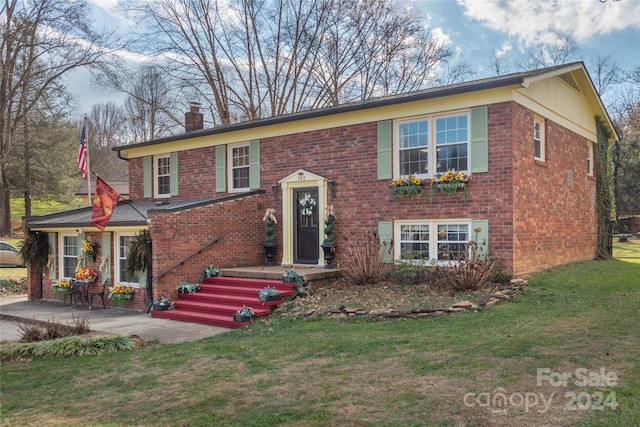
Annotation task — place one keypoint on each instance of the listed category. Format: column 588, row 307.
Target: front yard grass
column 581, row 319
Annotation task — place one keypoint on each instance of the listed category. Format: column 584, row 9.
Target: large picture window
column 429, row 145
column 440, row 241
column 123, row 248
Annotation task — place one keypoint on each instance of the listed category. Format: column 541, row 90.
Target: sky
column 474, row 30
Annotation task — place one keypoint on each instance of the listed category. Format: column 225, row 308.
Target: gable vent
column 568, row 79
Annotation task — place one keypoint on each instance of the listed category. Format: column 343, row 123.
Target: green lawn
column 581, row 320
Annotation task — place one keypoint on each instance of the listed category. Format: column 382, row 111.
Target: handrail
column 189, row 257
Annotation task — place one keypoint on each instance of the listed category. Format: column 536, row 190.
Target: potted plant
column 62, row 286
column 244, row 314
column 163, row 304
column 269, row 294
column 34, row 251
column 210, row 271
column 270, row 222
column 292, row 276
column 85, row 274
column 188, row 288
column 121, row 293
column 329, row 245
column 91, row 249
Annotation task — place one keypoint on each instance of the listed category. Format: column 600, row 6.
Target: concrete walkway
column 120, row 321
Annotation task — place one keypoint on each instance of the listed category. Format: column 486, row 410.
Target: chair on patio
column 97, row 294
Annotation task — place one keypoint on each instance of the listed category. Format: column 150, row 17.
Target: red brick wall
column 176, row 235
column 554, row 222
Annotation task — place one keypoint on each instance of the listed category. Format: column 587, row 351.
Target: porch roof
column 126, row 214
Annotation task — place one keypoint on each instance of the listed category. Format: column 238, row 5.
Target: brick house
column 526, row 141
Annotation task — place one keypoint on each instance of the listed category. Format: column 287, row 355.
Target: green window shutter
column 254, row 165
column 147, row 174
column 483, row 236
column 479, row 140
column 385, row 162
column 52, row 251
column 106, row 251
column 81, row 248
column 173, row 166
column 142, row 279
column 385, row 234
column 221, row 168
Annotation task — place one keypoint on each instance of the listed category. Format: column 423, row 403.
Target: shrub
column 364, row 260
column 67, row 347
column 13, row 286
column 50, row 330
column 471, row 270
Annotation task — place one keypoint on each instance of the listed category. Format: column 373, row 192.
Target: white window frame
column 539, row 139
column 61, row 255
column 433, row 239
column 119, row 260
column 157, row 175
column 231, row 167
column 589, row 158
column 432, row 147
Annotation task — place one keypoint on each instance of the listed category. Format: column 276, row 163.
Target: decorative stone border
column 502, row 293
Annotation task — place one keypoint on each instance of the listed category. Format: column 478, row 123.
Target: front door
column 306, row 225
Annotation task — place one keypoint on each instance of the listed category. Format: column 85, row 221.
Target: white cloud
column 506, row 47
column 550, row 21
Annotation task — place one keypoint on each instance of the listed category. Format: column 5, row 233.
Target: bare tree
column 549, row 55
column 41, row 41
column 150, row 110
column 604, row 71
column 252, row 59
column 106, row 128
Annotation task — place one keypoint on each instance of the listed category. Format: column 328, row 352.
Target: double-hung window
column 430, row 145
column 69, row 253
column 239, row 166
column 163, row 176
column 124, row 239
column 440, row 241
column 538, row 139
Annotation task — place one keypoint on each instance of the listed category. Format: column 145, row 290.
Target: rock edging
column 500, row 293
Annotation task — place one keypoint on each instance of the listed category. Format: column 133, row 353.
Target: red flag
column 82, row 154
column 104, row 203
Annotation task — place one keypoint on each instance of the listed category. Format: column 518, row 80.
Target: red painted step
column 220, row 298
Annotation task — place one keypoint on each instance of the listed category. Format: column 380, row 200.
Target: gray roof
column 126, row 213
column 435, row 92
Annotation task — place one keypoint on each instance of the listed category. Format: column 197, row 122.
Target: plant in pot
column 163, row 304
column 210, row 271
column 34, row 251
column 244, row 314
column 329, row 245
column 139, row 257
column 188, row 288
column 269, row 244
column 292, row 276
column 91, row 249
column 269, row 294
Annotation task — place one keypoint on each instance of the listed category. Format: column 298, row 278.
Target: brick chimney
column 193, row 119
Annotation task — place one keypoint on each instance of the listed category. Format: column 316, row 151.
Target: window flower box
column 450, row 182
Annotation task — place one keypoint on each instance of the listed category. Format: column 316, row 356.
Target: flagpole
column 89, row 198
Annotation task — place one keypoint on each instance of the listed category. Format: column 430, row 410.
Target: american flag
column 82, row 154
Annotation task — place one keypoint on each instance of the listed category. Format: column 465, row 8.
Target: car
column 10, row 256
